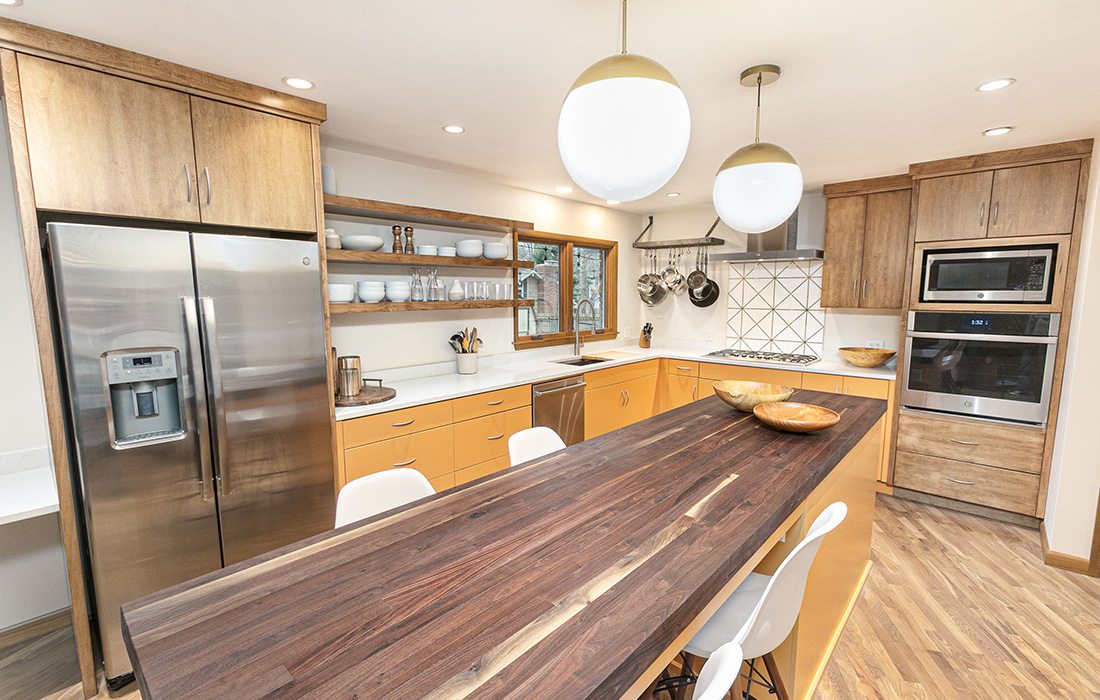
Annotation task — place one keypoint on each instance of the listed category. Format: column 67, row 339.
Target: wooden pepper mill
column 409, row 247
column 396, row 239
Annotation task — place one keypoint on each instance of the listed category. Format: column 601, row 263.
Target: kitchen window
column 567, row 270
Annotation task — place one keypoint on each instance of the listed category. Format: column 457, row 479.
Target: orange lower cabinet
column 477, row 471
column 678, row 390
column 442, row 483
column 641, row 399
column 602, row 410
column 828, row 383
column 430, row 452
column 486, row 438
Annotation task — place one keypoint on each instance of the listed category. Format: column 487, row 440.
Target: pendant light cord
column 623, row 50
column 759, row 84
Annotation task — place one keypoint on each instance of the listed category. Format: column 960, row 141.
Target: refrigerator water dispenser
column 143, row 396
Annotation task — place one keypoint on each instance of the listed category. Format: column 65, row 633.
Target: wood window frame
column 611, row 281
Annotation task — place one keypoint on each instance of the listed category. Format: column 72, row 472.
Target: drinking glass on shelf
column 417, row 287
column 483, row 290
column 470, row 288
column 498, row 291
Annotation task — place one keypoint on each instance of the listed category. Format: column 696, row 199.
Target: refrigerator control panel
column 137, row 367
column 144, row 399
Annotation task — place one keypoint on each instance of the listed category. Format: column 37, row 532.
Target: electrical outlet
column 876, row 344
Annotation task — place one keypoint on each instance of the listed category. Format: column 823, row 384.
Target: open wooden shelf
column 389, row 306
column 379, row 257
column 407, row 213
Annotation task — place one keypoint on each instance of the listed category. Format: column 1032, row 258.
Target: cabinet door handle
column 622, row 398
column 405, row 464
column 402, row 425
column 993, row 213
column 694, row 392
column 627, row 392
column 981, row 215
column 964, row 442
column 959, row 481
column 206, row 175
column 855, row 288
column 495, row 437
column 864, row 289
column 494, row 403
column 187, row 172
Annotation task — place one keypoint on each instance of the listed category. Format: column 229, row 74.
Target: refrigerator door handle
column 198, row 397
column 216, row 393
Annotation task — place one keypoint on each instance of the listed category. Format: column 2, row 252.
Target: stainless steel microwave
column 1010, row 274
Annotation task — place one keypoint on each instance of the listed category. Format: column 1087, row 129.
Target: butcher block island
column 578, row 575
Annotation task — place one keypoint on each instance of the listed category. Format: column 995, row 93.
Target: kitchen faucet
column 577, row 344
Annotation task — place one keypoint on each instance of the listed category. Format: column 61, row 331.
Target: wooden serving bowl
column 794, row 417
column 867, row 357
column 745, row 396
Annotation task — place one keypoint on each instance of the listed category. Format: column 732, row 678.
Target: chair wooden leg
column 686, row 691
column 773, row 675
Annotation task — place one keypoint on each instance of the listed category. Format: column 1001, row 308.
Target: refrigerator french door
column 196, row 376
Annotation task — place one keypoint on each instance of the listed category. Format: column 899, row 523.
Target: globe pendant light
column 624, row 127
column 759, row 186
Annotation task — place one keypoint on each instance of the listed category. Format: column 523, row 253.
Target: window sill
column 563, row 339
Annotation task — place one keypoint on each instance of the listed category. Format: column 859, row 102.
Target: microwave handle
column 1039, row 340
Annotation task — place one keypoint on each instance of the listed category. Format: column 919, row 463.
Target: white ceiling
column 868, row 86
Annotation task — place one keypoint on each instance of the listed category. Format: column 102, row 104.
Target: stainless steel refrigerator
column 196, row 378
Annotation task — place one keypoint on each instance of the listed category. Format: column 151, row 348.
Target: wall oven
column 1009, row 274
column 991, row 365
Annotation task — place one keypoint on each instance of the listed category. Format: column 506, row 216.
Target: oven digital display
column 978, row 322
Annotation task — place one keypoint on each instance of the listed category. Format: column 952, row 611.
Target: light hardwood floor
column 956, row 606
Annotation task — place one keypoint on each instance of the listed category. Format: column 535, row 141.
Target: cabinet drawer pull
column 959, row 481
column 495, row 437
column 402, row 425
column 405, row 464
column 964, row 442
column 683, row 369
column 494, row 403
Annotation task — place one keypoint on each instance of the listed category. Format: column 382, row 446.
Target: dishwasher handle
column 572, row 387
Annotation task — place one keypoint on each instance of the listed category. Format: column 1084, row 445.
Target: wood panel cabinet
column 100, row 144
column 953, row 207
column 255, row 169
column 1019, row 448
column 1004, row 489
column 865, row 244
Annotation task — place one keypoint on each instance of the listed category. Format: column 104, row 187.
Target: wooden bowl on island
column 867, row 357
column 794, row 417
column 745, row 396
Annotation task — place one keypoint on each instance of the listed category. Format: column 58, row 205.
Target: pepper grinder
column 409, row 247
column 396, row 239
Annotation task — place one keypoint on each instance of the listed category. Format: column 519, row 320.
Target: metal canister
column 349, row 376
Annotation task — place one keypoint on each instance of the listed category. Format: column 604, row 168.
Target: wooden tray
column 369, row 395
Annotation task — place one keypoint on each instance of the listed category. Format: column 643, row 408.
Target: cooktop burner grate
column 782, row 357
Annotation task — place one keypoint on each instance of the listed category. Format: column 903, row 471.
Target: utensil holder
column 467, row 362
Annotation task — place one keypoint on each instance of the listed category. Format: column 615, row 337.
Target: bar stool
column 719, row 673
column 533, row 443
column 761, row 613
column 376, row 493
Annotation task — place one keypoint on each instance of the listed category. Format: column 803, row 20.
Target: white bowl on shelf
column 470, row 248
column 495, row 251
column 341, row 293
column 427, row 250
column 398, row 294
column 447, row 251
column 371, row 295
column 361, row 242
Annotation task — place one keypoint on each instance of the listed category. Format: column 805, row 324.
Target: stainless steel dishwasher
column 560, row 405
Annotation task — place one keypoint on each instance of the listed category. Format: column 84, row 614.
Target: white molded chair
column 533, row 443
column 719, row 673
column 375, row 493
column 760, row 614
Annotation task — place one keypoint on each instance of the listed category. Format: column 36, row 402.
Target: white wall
column 677, row 318
column 1075, row 471
column 32, row 568
column 388, row 341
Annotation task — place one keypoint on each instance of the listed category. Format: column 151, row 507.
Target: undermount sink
column 582, row 361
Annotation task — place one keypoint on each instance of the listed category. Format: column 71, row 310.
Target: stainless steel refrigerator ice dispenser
column 143, row 396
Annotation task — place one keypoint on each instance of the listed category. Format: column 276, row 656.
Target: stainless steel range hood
column 781, row 243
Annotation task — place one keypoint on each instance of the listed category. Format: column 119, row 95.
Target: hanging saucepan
column 643, row 279
column 671, row 276
column 709, row 293
column 657, row 294
column 697, row 279
column 679, row 286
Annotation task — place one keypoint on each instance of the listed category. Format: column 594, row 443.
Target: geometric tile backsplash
column 776, row 307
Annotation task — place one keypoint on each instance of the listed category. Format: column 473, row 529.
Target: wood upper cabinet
column 100, row 144
column 255, row 169
column 865, row 244
column 845, row 218
column 1034, row 200
column 954, row 207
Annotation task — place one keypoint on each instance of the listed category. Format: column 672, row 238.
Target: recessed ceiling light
column 998, row 84
column 11, row 3
column 454, row 129
column 997, row 131
column 673, row 194
column 613, row 202
column 563, row 189
column 296, row 83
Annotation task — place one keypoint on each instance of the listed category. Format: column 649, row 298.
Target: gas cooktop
column 780, row 357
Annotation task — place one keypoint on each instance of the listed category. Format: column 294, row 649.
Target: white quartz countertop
column 26, row 493
column 503, row 371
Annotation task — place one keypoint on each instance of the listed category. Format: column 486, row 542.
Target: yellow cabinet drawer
column 1008, row 447
column 829, row 383
column 477, row 471
column 430, row 452
column 442, row 483
column 686, row 368
column 381, row 426
column 962, row 481
column 867, row 388
column 486, row 438
column 614, row 375
column 786, row 377
column 477, row 405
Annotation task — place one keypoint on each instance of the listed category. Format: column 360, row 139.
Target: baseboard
column 34, row 628
column 819, row 672
column 1061, row 560
column 882, row 487
column 971, row 508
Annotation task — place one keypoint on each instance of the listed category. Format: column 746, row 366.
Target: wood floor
column 956, row 606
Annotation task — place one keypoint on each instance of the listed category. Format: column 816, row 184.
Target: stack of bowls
column 447, row 251
column 470, row 248
column 496, row 251
column 426, row 250
column 398, row 290
column 370, row 292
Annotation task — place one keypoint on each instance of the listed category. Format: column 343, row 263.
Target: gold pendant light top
column 624, row 65
column 764, row 74
column 760, row 152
